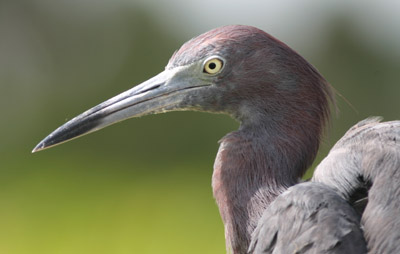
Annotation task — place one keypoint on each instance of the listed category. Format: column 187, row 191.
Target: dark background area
column 144, row 186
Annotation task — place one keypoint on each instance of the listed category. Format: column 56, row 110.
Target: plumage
column 369, row 154
column 282, row 103
column 308, row 218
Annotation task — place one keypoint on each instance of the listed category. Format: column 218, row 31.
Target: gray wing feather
column 369, row 152
column 308, row 218
column 315, row 218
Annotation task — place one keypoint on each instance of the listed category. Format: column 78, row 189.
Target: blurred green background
column 144, row 186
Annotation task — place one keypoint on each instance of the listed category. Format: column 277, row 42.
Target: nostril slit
column 148, row 89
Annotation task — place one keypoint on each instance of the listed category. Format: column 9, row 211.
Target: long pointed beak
column 162, row 93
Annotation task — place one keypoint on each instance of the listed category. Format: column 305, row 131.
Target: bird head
column 237, row 70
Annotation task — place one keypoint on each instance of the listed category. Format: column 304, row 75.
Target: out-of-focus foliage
column 142, row 186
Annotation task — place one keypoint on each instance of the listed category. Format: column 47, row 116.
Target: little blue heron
column 351, row 205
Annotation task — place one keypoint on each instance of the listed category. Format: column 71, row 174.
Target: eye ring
column 213, row 65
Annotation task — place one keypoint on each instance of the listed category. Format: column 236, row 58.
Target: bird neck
column 253, row 166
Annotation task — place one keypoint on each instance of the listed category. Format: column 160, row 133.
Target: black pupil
column 212, row 66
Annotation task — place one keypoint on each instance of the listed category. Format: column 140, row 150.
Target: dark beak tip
column 39, row 147
column 44, row 144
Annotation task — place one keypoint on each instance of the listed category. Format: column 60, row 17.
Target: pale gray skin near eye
column 282, row 103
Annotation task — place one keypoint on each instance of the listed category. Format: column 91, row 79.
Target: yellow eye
column 213, row 66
